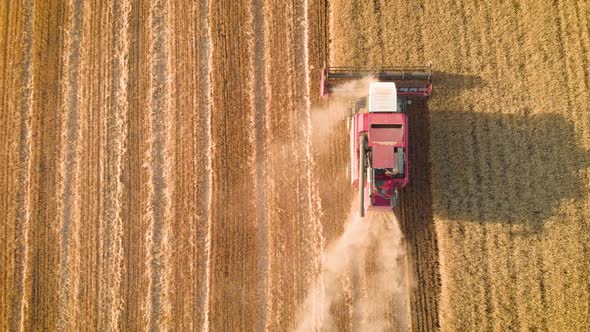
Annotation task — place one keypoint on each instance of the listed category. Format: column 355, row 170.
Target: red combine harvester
column 379, row 127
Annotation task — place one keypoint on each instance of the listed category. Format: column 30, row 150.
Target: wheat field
column 169, row 165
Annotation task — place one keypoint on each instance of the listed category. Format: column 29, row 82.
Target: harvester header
column 410, row 81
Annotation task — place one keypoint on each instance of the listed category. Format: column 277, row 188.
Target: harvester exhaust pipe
column 410, row 81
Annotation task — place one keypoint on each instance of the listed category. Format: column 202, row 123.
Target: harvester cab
column 378, row 128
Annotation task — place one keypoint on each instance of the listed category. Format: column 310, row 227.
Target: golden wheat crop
column 509, row 150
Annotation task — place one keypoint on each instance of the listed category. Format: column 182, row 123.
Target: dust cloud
column 369, row 254
column 326, row 116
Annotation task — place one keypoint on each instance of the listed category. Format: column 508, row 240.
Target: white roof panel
column 382, row 97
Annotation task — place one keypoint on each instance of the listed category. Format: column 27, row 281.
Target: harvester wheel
column 362, row 172
column 393, row 199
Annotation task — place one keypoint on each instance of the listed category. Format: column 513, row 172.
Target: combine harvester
column 379, row 132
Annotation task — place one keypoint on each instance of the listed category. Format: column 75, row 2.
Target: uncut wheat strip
column 577, row 56
column 559, row 289
column 349, row 40
column 535, row 18
column 564, row 83
column 158, row 206
column 476, row 253
column 582, row 117
column 496, row 199
column 455, row 237
column 400, row 48
column 463, row 253
column 504, row 291
column 546, row 52
column 528, row 294
column 25, row 110
column 69, row 269
column 481, row 105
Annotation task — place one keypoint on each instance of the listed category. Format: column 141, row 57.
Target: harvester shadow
column 504, row 168
column 479, row 167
